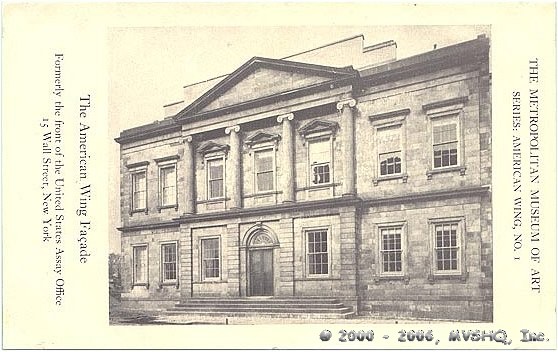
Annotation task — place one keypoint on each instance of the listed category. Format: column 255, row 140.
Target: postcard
column 283, row 175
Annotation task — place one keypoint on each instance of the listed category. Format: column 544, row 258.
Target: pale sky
column 148, row 66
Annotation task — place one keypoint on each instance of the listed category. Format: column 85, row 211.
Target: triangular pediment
column 212, row 147
column 261, row 137
column 316, row 126
column 262, row 78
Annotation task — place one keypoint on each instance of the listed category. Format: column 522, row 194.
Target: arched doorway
column 260, row 248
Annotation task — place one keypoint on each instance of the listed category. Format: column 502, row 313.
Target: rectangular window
column 139, row 190
column 389, row 150
column 264, row 170
column 210, row 258
column 215, row 175
column 320, row 161
column 169, row 261
column 318, row 263
column 391, row 250
column 446, row 247
column 168, row 185
column 140, row 264
column 445, row 144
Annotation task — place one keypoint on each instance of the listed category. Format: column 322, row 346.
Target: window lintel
column 262, row 139
column 318, row 127
column 167, row 159
column 138, row 166
column 389, row 117
column 456, row 102
column 210, row 148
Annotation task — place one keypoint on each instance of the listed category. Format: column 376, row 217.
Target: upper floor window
column 167, row 175
column 139, row 190
column 389, row 150
column 215, row 178
column 317, row 252
column 319, row 154
column 264, row 170
column 445, row 143
column 210, row 253
column 446, row 130
column 318, row 135
column 389, row 145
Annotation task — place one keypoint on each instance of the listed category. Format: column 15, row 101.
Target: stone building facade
column 291, row 177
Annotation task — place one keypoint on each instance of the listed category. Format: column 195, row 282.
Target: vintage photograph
column 300, row 175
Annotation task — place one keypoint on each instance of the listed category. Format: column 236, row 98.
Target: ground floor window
column 140, row 264
column 210, row 258
column 446, row 238
column 317, row 253
column 391, row 249
column 169, row 261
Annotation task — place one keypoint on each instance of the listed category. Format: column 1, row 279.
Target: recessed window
column 446, row 247
column 390, row 163
column 391, row 250
column 169, row 262
column 389, row 150
column 139, row 190
column 317, row 261
column 215, row 176
column 140, row 264
column 320, row 161
column 264, row 170
column 210, row 258
column 168, row 185
column 445, row 144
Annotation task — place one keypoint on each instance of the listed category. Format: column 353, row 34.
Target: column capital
column 349, row 102
column 235, row 128
column 188, row 139
column 288, row 117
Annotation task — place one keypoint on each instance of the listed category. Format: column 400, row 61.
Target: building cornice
column 428, row 196
column 473, row 51
column 272, row 209
column 147, row 131
column 152, row 226
column 312, row 205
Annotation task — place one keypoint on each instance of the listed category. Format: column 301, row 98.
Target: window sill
column 217, row 281
column 403, row 178
column 262, row 194
column 383, row 277
column 168, row 284
column 317, row 278
column 448, row 276
column 213, row 200
column 441, row 170
column 170, row 206
column 319, row 186
column 139, row 284
column 137, row 211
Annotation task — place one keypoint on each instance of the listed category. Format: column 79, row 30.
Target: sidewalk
column 119, row 316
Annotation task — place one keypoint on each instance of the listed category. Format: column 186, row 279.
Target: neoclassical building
column 338, row 172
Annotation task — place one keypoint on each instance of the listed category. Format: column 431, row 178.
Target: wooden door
column 261, row 272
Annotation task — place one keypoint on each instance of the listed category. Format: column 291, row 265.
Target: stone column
column 345, row 108
column 287, row 157
column 234, row 165
column 189, row 171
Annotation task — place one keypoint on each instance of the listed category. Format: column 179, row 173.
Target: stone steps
column 269, row 307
